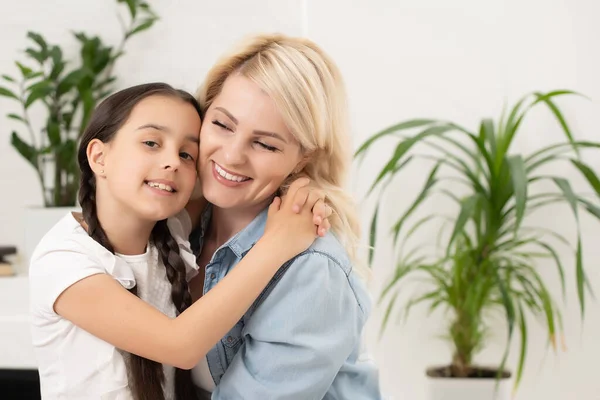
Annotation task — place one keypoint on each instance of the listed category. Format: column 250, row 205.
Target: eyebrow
column 192, row 138
column 256, row 132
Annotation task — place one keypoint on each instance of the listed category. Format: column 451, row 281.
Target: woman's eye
column 150, row 143
column 266, row 146
column 221, row 125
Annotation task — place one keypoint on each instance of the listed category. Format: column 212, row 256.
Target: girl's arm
column 99, row 305
column 306, row 194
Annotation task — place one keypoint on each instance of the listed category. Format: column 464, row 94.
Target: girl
column 275, row 109
column 109, row 294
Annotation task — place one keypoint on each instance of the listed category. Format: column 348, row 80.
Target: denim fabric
column 302, row 337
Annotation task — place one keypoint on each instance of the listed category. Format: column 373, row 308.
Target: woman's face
column 246, row 150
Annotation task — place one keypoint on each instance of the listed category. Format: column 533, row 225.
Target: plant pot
column 485, row 388
column 38, row 221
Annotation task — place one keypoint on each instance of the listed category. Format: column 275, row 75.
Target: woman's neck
column 227, row 222
column 127, row 233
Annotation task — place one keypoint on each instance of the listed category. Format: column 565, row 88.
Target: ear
column 96, row 154
column 301, row 164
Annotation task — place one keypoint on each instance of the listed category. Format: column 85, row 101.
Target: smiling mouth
column 160, row 186
column 228, row 176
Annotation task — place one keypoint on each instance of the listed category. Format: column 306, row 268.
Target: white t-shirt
column 73, row 363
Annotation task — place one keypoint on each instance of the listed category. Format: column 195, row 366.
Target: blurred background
column 460, row 60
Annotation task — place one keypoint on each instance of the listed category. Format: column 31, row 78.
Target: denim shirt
column 301, row 339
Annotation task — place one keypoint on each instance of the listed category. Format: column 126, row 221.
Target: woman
column 275, row 109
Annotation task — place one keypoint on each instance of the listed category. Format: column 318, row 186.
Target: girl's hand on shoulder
column 290, row 223
column 313, row 198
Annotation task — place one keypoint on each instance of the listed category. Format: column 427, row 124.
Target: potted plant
column 489, row 258
column 67, row 93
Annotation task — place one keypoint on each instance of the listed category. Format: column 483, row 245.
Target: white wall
column 457, row 60
column 178, row 50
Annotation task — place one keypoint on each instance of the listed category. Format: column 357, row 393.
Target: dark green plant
column 69, row 92
column 490, row 260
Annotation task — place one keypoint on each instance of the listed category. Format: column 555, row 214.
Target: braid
column 87, row 199
column 145, row 376
column 176, row 274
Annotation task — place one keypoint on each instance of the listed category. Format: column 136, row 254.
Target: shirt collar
column 245, row 239
column 240, row 243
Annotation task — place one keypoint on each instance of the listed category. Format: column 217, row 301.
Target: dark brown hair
column 145, row 376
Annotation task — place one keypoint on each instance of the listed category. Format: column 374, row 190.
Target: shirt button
column 229, row 339
column 212, row 276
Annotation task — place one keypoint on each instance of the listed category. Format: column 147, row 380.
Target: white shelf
column 16, row 351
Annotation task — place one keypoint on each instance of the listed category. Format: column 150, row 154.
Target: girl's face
column 246, row 150
column 150, row 165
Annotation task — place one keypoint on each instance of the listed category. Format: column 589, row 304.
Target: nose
column 234, row 151
column 171, row 160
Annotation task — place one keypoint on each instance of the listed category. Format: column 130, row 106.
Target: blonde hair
column 309, row 93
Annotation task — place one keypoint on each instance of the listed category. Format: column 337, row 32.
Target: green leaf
column 71, row 80
column 131, row 4
column 39, row 39
column 7, row 93
column 559, row 266
column 27, row 151
column 509, row 308
column 511, row 127
column 373, row 235
column 474, row 156
column 466, row 211
column 561, row 119
column 570, row 196
column 142, row 27
column 65, row 153
column 8, row 78
column 565, row 187
column 392, row 129
column 42, row 85
column 415, row 227
column 35, row 75
column 523, row 352
column 405, row 145
column 36, row 55
column 581, row 278
column 102, row 60
column 88, row 107
column 57, row 63
column 591, row 208
column 53, row 131
column 16, row 117
column 519, row 181
column 457, row 163
column 551, row 153
column 431, row 181
column 414, row 301
column 38, row 93
column 589, row 174
column 388, row 311
column 25, row 71
column 487, row 135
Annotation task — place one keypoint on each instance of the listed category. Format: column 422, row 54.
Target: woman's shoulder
column 331, row 248
column 325, row 264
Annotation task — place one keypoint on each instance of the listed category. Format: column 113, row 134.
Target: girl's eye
column 186, row 156
column 220, row 125
column 150, row 143
column 266, row 146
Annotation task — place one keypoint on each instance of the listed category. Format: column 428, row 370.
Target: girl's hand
column 314, row 198
column 288, row 231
